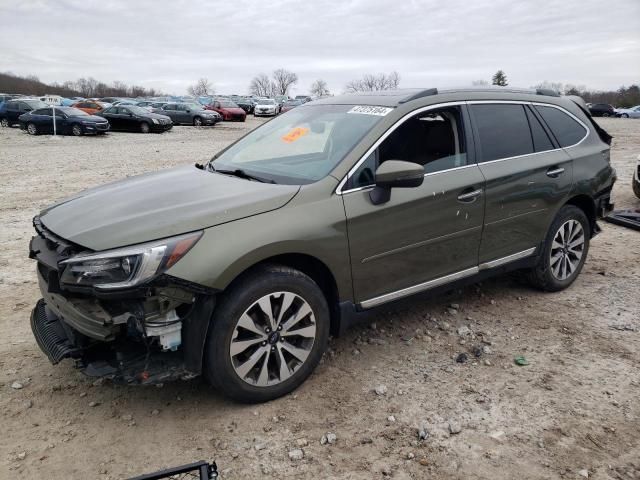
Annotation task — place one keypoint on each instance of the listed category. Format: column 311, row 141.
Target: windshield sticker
column 370, row 110
column 295, row 134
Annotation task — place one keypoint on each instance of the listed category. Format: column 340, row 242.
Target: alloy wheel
column 76, row 130
column 272, row 339
column 197, row 122
column 32, row 129
column 4, row 122
column 567, row 249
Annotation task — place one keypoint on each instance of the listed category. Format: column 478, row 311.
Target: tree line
column 83, row 87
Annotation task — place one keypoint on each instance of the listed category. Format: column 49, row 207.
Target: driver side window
column 433, row 139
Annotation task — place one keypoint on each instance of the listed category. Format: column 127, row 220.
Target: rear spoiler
column 602, row 133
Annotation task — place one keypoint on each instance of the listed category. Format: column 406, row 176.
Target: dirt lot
column 573, row 411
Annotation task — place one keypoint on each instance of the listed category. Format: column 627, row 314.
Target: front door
column 527, row 178
column 424, row 236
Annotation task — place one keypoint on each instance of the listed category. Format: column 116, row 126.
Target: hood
column 155, row 115
column 88, row 118
column 232, row 109
column 157, row 205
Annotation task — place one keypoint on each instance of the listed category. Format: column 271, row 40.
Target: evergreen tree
column 500, row 79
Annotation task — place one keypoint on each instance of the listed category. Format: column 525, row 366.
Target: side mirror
column 395, row 174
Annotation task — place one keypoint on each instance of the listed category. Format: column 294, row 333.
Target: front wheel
column 565, row 251
column 267, row 335
column 144, row 127
column 4, row 123
column 77, row 130
column 636, row 187
column 197, row 122
column 32, row 129
column 625, row 115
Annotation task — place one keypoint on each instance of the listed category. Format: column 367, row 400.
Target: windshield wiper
column 238, row 172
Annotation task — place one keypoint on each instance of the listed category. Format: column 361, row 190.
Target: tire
column 572, row 224
column 144, row 127
column 4, row 123
column 76, row 129
column 625, row 115
column 605, row 114
column 32, row 129
column 197, row 122
column 636, row 187
column 227, row 359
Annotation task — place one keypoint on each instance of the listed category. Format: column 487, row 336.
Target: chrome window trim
column 391, row 129
column 436, row 282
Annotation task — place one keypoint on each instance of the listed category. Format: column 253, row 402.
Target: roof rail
column 423, row 93
column 547, row 91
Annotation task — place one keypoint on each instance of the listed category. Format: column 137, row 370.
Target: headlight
column 84, row 122
column 126, row 267
column 155, row 120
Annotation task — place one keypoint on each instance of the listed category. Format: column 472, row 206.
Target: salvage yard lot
column 574, row 408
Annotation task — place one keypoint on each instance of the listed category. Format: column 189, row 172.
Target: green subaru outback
column 240, row 269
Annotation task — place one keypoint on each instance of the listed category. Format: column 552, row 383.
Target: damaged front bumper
column 147, row 334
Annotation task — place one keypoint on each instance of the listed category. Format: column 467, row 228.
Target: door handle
column 470, row 196
column 555, row 172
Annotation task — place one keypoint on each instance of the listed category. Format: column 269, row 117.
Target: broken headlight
column 126, row 267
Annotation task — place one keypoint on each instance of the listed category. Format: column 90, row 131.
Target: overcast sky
column 168, row 44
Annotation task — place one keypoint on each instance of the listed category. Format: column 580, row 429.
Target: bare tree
column 202, row 87
column 319, row 88
column 372, row 83
column 261, row 86
column 283, row 80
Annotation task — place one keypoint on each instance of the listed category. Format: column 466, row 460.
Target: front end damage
column 150, row 333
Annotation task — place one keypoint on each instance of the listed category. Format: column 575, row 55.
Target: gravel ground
column 573, row 412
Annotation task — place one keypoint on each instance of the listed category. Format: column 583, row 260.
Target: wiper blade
column 238, row 172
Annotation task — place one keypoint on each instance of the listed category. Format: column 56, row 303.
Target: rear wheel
column 32, row 129
column 144, row 127
column 565, row 251
column 267, row 335
column 4, row 123
column 636, row 187
column 197, row 122
column 77, row 130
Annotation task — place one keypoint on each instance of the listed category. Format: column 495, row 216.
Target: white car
column 633, row 112
column 265, row 107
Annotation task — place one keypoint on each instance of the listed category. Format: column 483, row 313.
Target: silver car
column 633, row 112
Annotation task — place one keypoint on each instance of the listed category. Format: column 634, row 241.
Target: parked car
column 90, row 106
column 12, row 109
column 632, row 112
column 265, row 107
column 228, row 110
column 136, row 119
column 241, row 268
column 304, row 98
column 69, row 121
column 189, row 114
column 290, row 105
column 601, row 110
column 245, row 104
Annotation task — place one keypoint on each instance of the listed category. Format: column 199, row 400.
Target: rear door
column 527, row 178
column 424, row 236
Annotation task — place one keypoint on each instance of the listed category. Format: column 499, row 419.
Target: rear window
column 566, row 130
column 503, row 130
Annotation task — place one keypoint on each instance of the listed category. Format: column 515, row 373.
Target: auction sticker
column 370, row 110
column 294, row 134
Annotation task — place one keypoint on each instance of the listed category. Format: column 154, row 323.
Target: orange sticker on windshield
column 295, row 134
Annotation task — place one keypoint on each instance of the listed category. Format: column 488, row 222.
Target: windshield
column 194, row 106
column 74, row 112
column 300, row 147
column 137, row 110
column 228, row 104
column 266, row 102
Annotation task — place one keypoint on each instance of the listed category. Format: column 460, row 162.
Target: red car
column 229, row 110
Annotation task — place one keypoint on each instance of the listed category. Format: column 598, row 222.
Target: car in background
column 265, row 107
column 245, row 104
column 290, row 105
column 69, row 121
column 230, row 111
column 189, row 114
column 12, row 109
column 110, row 100
column 90, row 106
column 304, row 98
column 635, row 181
column 132, row 118
column 602, row 110
column 631, row 112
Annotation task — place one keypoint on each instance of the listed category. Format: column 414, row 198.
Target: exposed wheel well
column 320, row 274
column 587, row 205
